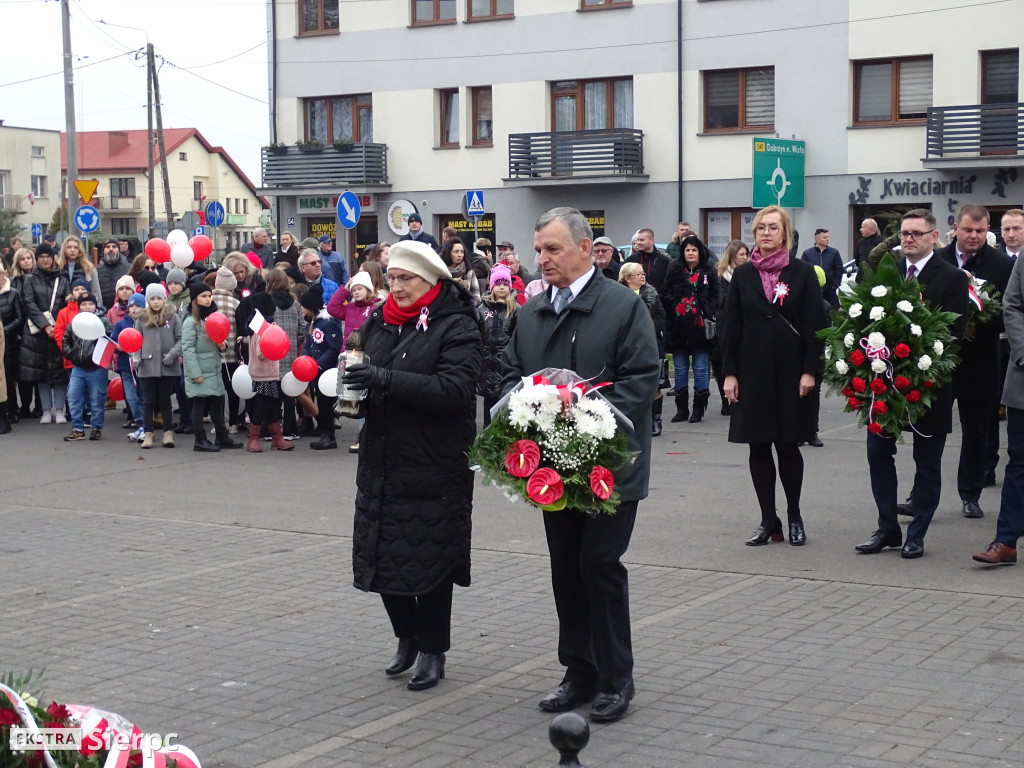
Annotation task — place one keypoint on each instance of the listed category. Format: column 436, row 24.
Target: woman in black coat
column 414, row 494
column 40, row 360
column 770, row 355
column 690, row 296
column 11, row 317
column 632, row 276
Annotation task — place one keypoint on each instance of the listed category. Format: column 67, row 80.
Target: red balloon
column 305, row 368
column 130, row 340
column 274, row 343
column 115, row 389
column 218, row 327
column 158, row 250
column 202, row 246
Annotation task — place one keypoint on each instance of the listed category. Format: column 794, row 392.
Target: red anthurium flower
column 601, row 482
column 875, row 427
column 522, row 458
column 545, row 486
column 858, row 384
column 879, row 407
column 901, row 350
column 857, row 357
column 878, row 386
column 135, row 760
column 913, row 396
column 848, row 391
column 854, row 403
column 9, row 717
column 901, row 382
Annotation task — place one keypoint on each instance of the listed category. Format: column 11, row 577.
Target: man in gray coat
column 601, row 330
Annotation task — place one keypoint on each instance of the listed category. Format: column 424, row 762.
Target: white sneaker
column 58, row 416
column 47, row 417
column 136, row 436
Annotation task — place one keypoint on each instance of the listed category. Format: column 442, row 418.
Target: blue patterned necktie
column 562, row 299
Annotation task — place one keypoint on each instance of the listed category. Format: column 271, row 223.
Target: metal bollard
column 569, row 734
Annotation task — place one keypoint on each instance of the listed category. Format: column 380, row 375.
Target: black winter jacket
column 414, row 488
column 78, row 350
column 497, row 329
column 109, row 274
column 40, row 358
column 690, row 298
column 12, row 315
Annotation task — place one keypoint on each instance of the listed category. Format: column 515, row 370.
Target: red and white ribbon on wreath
column 974, row 298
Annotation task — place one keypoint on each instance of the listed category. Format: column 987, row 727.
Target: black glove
column 363, row 376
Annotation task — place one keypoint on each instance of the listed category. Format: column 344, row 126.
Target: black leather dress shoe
column 972, row 510
column 565, row 697
column 609, row 707
column 816, row 442
column 429, row 669
column 797, row 535
column 990, row 479
column 763, row 535
column 879, row 540
column 904, row 508
column 912, row 549
column 404, row 658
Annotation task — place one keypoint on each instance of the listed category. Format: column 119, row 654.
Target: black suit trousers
column 924, row 497
column 976, row 417
column 591, row 590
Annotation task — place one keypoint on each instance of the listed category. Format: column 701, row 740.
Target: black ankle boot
column 404, row 658
column 656, row 417
column 682, row 406
column 700, row 404
column 224, row 441
column 203, row 445
column 429, row 669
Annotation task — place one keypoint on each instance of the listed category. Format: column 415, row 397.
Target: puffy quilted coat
column 414, row 488
column 201, row 358
column 497, row 329
column 40, row 357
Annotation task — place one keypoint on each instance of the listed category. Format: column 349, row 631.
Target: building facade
column 640, row 113
column 30, row 180
column 199, row 173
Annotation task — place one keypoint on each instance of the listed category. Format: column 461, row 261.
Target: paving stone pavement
column 170, row 603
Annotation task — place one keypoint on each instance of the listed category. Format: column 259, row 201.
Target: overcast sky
column 193, row 35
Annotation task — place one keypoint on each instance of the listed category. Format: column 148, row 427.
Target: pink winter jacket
column 352, row 313
column 261, row 369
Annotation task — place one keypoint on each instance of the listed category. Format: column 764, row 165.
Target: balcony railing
column 576, row 153
column 362, row 163
column 118, row 203
column 975, row 130
column 12, row 202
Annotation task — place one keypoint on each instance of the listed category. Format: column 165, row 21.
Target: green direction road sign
column 778, row 173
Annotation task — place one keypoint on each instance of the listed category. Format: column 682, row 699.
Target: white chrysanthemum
column 856, row 310
column 842, row 367
column 602, row 424
column 828, row 353
column 848, row 340
column 905, row 306
column 879, row 291
column 915, row 329
column 876, row 313
column 876, row 340
column 937, row 346
column 924, row 363
column 878, row 366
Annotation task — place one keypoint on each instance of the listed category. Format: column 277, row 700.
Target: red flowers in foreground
column 879, row 407
column 913, row 396
column 854, row 403
column 858, row 383
column 878, row 386
column 601, row 482
column 901, row 382
column 901, row 350
column 545, row 486
column 857, row 357
column 9, row 717
column 875, row 427
column 522, row 458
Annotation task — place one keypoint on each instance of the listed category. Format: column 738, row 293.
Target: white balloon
column 241, row 382
column 328, row 382
column 176, row 236
column 87, row 326
column 292, row 386
column 182, row 255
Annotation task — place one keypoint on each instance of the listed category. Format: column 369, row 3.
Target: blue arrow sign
column 348, row 210
column 87, row 219
column 215, row 214
column 475, row 202
column 37, row 231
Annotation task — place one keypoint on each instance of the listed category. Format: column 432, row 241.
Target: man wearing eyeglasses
column 945, row 288
column 976, row 379
column 312, row 271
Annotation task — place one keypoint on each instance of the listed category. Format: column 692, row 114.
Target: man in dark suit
column 823, row 255
column 976, row 380
column 1012, row 232
column 945, row 288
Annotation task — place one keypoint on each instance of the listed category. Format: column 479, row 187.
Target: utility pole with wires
column 149, row 136
column 160, row 137
column 71, row 142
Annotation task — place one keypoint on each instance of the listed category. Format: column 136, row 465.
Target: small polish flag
column 259, row 323
column 31, row 198
column 103, row 353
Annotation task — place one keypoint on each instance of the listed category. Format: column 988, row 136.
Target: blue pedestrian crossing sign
column 348, row 210
column 37, row 231
column 215, row 214
column 87, row 219
column 475, row 202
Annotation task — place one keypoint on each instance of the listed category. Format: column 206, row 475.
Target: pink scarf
column 770, row 266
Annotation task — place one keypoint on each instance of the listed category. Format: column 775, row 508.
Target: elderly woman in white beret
column 414, row 496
